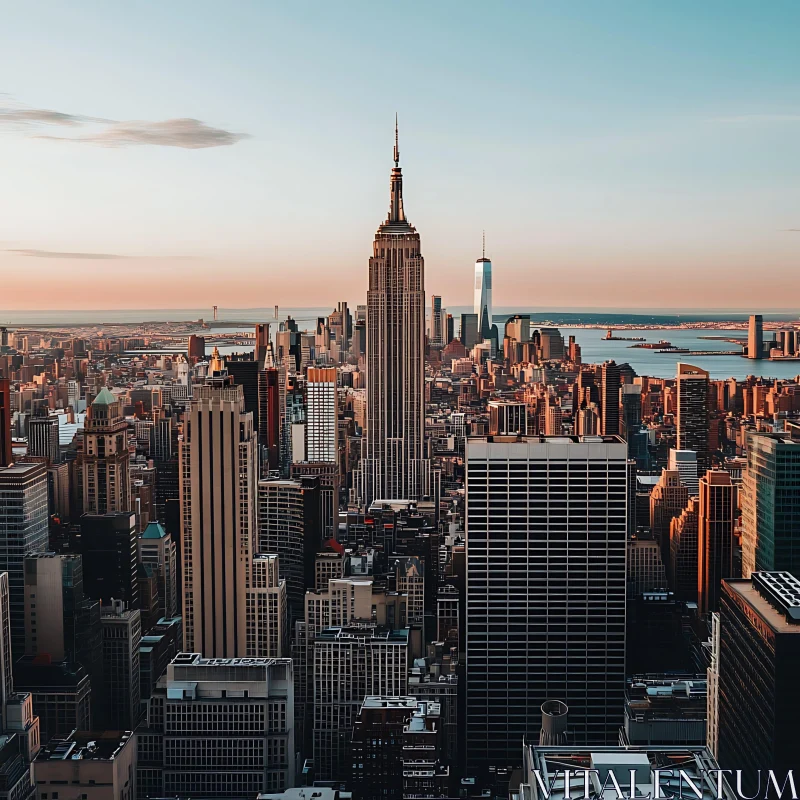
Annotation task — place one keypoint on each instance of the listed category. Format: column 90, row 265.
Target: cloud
column 745, row 118
column 188, row 133
column 191, row 134
column 35, row 253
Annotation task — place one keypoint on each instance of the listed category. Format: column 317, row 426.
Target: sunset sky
column 179, row 154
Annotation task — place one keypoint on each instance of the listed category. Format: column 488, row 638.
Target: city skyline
column 685, row 170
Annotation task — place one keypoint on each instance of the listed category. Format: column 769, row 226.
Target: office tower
column 667, row 499
column 23, row 530
column 394, row 463
column 110, row 549
column 759, row 693
column 715, row 534
column 712, row 700
column 683, row 552
column 469, row 330
column 585, row 390
column 646, row 571
column 219, row 727
column 340, row 324
column 437, row 337
column 507, row 418
column 755, row 336
column 631, row 408
column 449, row 328
column 483, row 294
column 218, row 518
column 551, row 343
column 270, row 400
column 6, row 656
column 692, row 416
column 321, row 415
column 165, row 459
column 262, row 341
column 43, row 438
column 196, row 348
column 105, row 459
column 245, row 373
column 771, row 505
column 609, row 398
column 122, row 636
column 100, row 765
column 158, row 550
column 351, row 663
column 5, row 422
column 290, row 526
column 685, row 463
column 546, row 547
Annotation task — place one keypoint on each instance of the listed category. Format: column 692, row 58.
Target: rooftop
column 85, row 746
column 154, row 531
column 774, row 596
column 104, row 398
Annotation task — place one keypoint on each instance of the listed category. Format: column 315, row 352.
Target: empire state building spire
column 396, row 213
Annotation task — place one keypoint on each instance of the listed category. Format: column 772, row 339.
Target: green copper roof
column 154, row 531
column 105, row 398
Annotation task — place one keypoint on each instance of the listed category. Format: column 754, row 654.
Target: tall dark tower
column 394, row 466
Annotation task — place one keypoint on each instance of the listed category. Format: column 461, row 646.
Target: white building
column 685, row 461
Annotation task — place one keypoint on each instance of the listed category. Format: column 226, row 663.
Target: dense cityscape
column 399, row 554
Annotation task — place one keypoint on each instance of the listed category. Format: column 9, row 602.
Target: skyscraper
column 759, row 693
column 755, row 336
column 5, row 422
column 23, row 531
column 394, row 464
column 718, row 509
column 218, row 518
column 43, row 438
column 685, row 463
column 321, row 415
column 105, row 459
column 483, row 294
column 771, row 504
column 546, row 549
column 437, row 338
column 609, row 398
column 692, row 417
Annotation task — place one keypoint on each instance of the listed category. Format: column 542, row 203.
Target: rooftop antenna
column 396, row 143
column 484, row 245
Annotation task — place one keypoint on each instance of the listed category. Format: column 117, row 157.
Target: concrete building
column 218, row 518
column 15, row 772
column 87, row 765
column 43, row 438
column 771, row 504
column 105, row 460
column 219, row 727
column 351, row 663
column 545, row 530
column 267, row 610
column 321, row 415
column 394, row 464
column 507, row 418
column 23, row 530
column 759, row 693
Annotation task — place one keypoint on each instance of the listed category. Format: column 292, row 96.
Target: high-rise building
column 755, row 336
column 262, row 342
column 545, row 617
column 759, row 693
column 6, row 657
column 507, row 418
column 692, row 420
column 290, row 526
column 469, row 330
column 685, row 462
column 218, row 518
column 5, row 422
column 271, row 401
column 715, row 537
column 771, row 504
column 23, row 531
column 483, row 294
column 122, row 636
column 105, row 460
column 668, row 498
column 610, row 381
column 43, row 438
column 350, row 664
column 219, row 727
column 110, row 549
column 437, row 338
column 321, row 415
column 683, row 551
column 157, row 549
column 394, row 464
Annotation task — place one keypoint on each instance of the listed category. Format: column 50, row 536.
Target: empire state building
column 394, row 466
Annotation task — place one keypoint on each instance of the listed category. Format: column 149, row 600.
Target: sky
column 184, row 154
